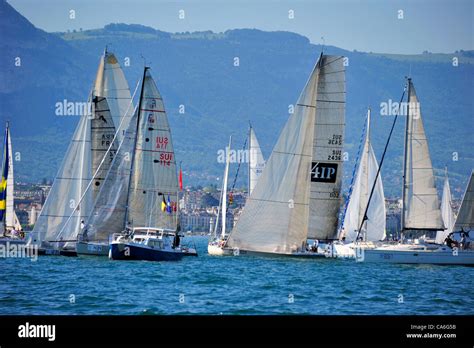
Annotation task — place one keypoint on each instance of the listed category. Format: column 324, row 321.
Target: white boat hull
column 439, row 256
column 89, row 248
column 216, row 250
column 347, row 251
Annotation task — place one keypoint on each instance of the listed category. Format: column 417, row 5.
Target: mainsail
column 421, row 208
column 102, row 137
column 110, row 83
column 276, row 217
column 446, row 212
column 465, row 218
column 153, row 190
column 374, row 227
column 256, row 161
column 328, row 143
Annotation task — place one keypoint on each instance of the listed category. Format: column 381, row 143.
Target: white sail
column 328, row 143
column 465, row 218
column 110, row 83
column 154, row 179
column 256, row 160
column 276, row 216
column 102, row 137
column 446, row 211
column 66, row 192
column 10, row 214
column 108, row 214
column 224, row 188
column 420, row 199
column 374, row 227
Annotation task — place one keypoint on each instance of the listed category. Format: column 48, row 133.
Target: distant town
column 198, row 207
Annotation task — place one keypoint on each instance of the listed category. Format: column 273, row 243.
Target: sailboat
column 446, row 211
column 373, row 228
column 111, row 115
column 216, row 245
column 10, row 227
column 151, row 219
column 69, row 202
column 297, row 197
column 421, row 211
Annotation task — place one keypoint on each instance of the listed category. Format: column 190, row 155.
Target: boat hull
column 216, row 250
column 93, row 249
column 304, row 255
column 12, row 241
column 436, row 257
column 57, row 252
column 189, row 252
column 129, row 251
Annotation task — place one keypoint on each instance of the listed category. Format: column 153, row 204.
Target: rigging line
column 380, row 166
column 119, row 129
column 237, row 173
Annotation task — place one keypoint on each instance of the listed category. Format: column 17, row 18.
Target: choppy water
column 231, row 285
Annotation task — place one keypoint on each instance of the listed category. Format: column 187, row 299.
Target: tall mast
column 367, row 144
column 135, row 142
column 404, row 184
column 224, row 188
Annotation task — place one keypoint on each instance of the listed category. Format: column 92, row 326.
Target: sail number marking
column 324, row 172
column 335, row 140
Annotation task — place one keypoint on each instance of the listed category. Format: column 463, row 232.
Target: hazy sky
column 365, row 25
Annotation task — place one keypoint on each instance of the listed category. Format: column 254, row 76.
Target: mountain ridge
column 197, row 70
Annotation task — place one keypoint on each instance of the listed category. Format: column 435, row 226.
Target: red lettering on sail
column 161, row 142
column 166, row 158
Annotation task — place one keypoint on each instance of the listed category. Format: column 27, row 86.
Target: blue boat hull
column 134, row 252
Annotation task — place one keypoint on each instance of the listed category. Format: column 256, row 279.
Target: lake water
column 231, row 285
